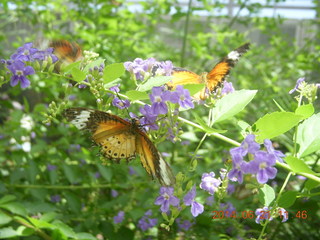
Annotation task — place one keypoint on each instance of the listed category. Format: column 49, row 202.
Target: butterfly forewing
column 182, row 76
column 66, row 51
column 119, row 139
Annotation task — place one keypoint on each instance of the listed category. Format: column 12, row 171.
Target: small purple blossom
column 158, row 99
column 121, row 104
column 115, row 88
column 51, row 167
column 182, row 97
column 24, row 53
column 149, row 118
column 119, row 217
column 210, row 200
column 166, row 199
column 284, row 214
column 185, row 225
column 196, row 208
column 145, row 222
column 262, row 166
column 231, row 188
column 277, row 154
column 20, row 71
column 114, row 193
column 164, row 68
column 55, row 198
column 209, row 183
column 299, row 81
column 249, row 145
column 97, row 175
column 229, row 209
column 227, row 88
column 263, row 214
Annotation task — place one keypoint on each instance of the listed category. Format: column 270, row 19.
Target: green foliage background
column 119, row 34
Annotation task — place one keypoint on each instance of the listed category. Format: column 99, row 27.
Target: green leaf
column 7, row 198
column 71, row 173
column 8, row 232
column 297, row 165
column 15, row 208
column 275, row 124
column 232, row 104
column 194, row 88
column 311, row 184
column 73, row 201
column 40, row 223
column 305, row 110
column 4, row 218
column 266, row 195
column 85, row 236
column 106, row 173
column 64, row 229
column 136, row 95
column 78, row 75
column 208, row 129
column 113, row 71
column 69, row 67
column 154, row 82
column 287, row 199
column 308, row 136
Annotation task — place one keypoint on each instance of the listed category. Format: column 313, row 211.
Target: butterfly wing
column 181, row 76
column 222, row 69
column 119, row 139
column 110, row 132
column 152, row 161
column 66, row 51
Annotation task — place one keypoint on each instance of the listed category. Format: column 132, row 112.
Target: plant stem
column 185, row 35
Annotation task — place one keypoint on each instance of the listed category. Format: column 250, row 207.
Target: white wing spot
column 81, row 120
column 234, row 55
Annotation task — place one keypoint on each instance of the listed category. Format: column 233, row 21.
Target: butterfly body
column 211, row 79
column 119, row 139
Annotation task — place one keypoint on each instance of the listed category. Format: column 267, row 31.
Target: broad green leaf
column 311, row 184
column 71, row 173
column 305, row 110
column 25, row 231
column 206, row 127
column 308, row 136
column 40, row 223
column 48, row 217
column 78, row 75
column 15, row 208
column 232, row 104
column 154, row 82
column 113, row 71
column 266, row 195
column 287, row 199
column 69, row 67
column 105, row 172
column 65, row 229
column 97, row 63
column 297, row 165
column 8, row 232
column 4, row 218
column 275, row 124
column 194, row 88
column 7, row 198
column 85, row 236
column 136, row 95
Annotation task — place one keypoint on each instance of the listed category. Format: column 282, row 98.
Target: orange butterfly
column 67, row 52
column 212, row 79
column 120, row 139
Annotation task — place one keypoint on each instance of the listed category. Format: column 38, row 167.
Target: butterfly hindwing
column 181, row 76
column 66, row 51
column 119, row 139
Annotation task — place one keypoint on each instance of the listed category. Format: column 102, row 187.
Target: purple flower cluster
column 119, row 217
column 17, row 63
column 167, row 198
column 265, row 213
column 262, row 163
column 209, row 183
column 159, row 98
column 145, row 222
column 185, row 225
column 143, row 69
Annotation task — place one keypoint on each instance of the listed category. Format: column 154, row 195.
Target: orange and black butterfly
column 212, row 79
column 119, row 139
column 67, row 52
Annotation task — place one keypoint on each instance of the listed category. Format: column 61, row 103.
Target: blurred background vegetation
column 192, row 34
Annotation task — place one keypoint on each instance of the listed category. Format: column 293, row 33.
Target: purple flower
column 237, row 171
column 166, row 199
column 140, row 69
column 185, row 225
column 115, row 88
column 44, row 55
column 121, row 104
column 119, row 218
column 158, row 99
column 263, row 214
column 209, row 183
column 277, row 154
column 20, row 71
column 114, row 193
column 163, row 68
column 149, row 118
column 51, row 167
column 229, row 209
column 299, row 81
column 196, row 208
column 145, row 223
column 262, row 166
column 227, row 88
column 247, row 146
column 284, row 214
column 97, row 175
column 55, row 198
column 24, row 53
column 210, row 200
column 182, row 97
column 231, row 188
